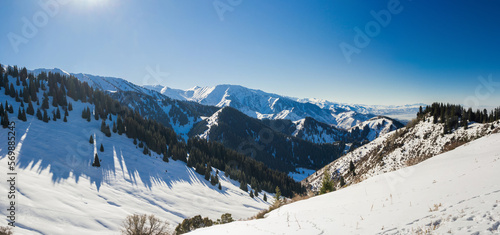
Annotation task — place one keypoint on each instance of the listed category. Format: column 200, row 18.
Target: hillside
column 265, row 143
column 453, row 193
column 401, row 148
column 58, row 188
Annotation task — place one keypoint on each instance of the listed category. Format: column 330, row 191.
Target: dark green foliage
column 342, row 181
column 105, row 128
column 39, row 114
column 267, row 143
column 277, row 195
column 352, row 168
column 239, row 167
column 251, row 194
column 327, row 183
column 214, row 179
column 191, row 224
column 5, row 120
column 97, row 162
column 454, row 116
column 45, row 117
column 256, row 193
column 30, row 110
column 196, row 222
column 265, row 197
column 101, row 148
column 91, row 140
column 243, row 186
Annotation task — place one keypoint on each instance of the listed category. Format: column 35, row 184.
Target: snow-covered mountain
column 401, row 148
column 263, row 105
column 260, row 104
column 453, row 193
column 59, row 192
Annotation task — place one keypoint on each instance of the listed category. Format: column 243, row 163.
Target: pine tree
column 5, row 120
column 70, row 106
column 20, row 114
column 251, row 194
column 114, row 126
column 277, row 196
column 58, row 114
column 265, row 197
column 91, row 140
column 220, row 186
column 135, row 141
column 39, row 114
column 165, row 157
column 96, row 162
column 342, row 181
column 243, row 186
column 102, row 148
column 30, row 109
column 256, row 193
column 326, row 184
column 65, row 119
column 66, row 112
column 352, row 168
column 207, row 174
column 45, row 116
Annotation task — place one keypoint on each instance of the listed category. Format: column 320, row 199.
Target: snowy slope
column 401, row 148
column 453, row 193
column 58, row 191
column 110, row 84
column 378, row 126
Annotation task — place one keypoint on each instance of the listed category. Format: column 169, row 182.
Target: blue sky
column 428, row 50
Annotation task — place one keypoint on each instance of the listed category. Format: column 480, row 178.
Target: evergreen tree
column 70, row 106
column 256, row 193
column 30, row 110
column 65, row 119
column 58, row 113
column 352, row 168
column 251, row 194
column 45, row 116
column 66, row 112
column 326, row 184
column 220, row 186
column 39, row 114
column 277, row 196
column 165, row 157
column 96, row 162
column 243, row 186
column 265, row 197
column 5, row 120
column 102, row 148
column 114, row 126
column 342, row 181
column 91, row 140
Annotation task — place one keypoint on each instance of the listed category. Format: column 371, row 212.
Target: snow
column 58, row 191
column 456, row 192
column 301, row 173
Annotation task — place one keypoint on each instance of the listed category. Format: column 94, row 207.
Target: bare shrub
column 144, row 225
column 4, row 230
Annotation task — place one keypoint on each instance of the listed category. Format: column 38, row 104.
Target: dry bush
column 144, row 225
column 5, row 230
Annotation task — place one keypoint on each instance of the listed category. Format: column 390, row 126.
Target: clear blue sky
column 428, row 51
